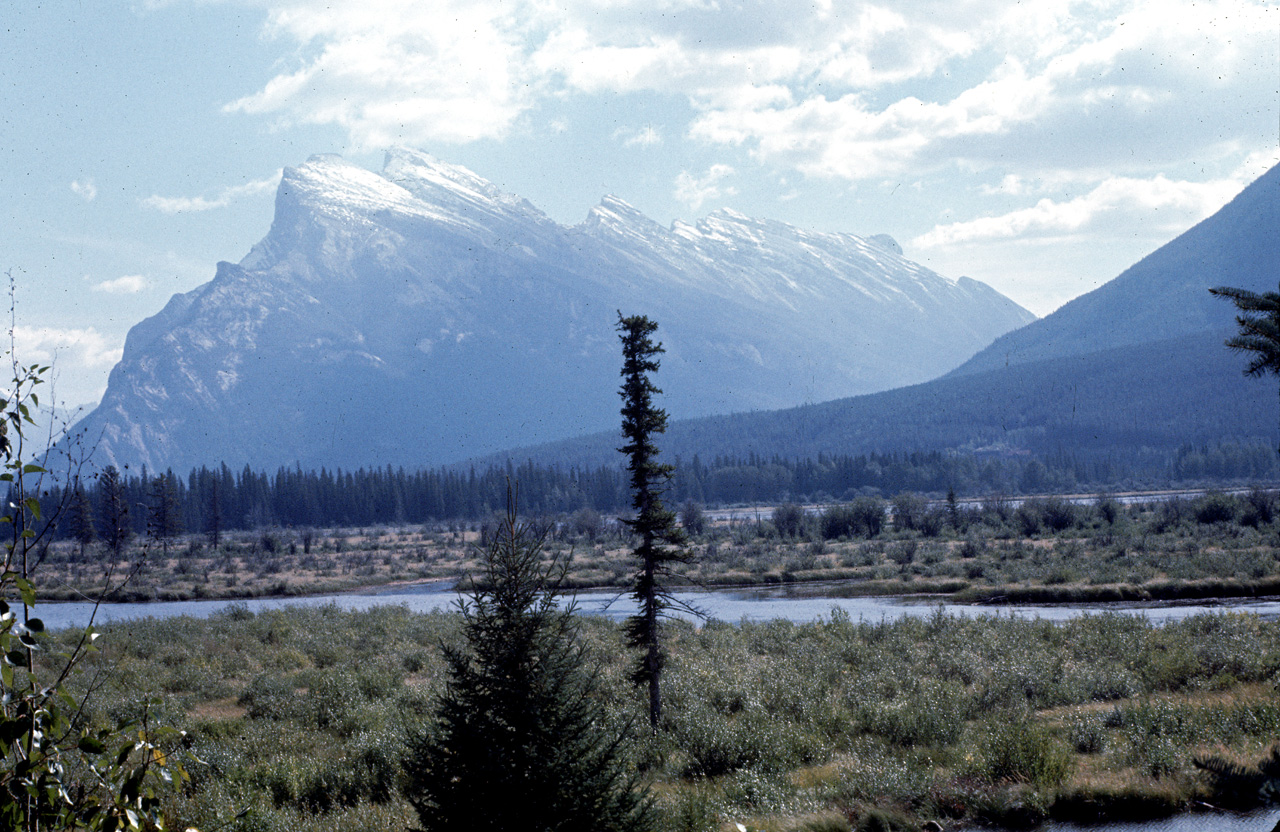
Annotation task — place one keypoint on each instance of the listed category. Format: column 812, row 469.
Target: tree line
column 213, row 500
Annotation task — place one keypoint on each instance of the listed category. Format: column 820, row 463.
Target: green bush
column 1087, row 733
column 270, row 697
column 864, row 517
column 933, row 714
column 1214, row 507
column 789, row 520
column 1021, row 751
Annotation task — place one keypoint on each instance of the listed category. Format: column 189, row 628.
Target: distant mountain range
column 1136, row 366
column 419, row 315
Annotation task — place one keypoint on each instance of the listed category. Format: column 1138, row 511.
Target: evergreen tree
column 661, row 540
column 1259, row 324
column 213, row 520
column 519, row 741
column 165, row 520
column 113, row 511
column 81, row 519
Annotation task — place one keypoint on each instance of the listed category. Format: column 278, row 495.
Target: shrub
column 1259, row 508
column 269, row 697
column 1108, row 509
column 909, row 511
column 863, row 517
column 1029, row 519
column 1024, row 752
column 931, row 715
column 932, row 522
column 838, row 521
column 1087, row 733
column 692, row 518
column 789, row 519
column 1214, row 508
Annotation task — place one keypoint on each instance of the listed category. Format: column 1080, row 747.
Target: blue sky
column 1041, row 146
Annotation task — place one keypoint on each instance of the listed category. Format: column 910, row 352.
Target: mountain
column 420, row 315
column 1134, row 367
column 1164, row 295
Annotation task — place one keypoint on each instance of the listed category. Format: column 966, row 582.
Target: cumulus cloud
column 394, row 71
column 223, row 198
column 695, row 190
column 1181, row 202
column 844, row 89
column 66, row 348
column 85, row 189
column 129, row 284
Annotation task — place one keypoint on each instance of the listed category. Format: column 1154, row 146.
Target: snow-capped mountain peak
column 420, row 315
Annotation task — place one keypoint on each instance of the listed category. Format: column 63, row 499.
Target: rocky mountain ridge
column 420, row 315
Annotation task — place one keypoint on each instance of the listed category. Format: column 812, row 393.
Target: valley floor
column 300, row 715
column 1043, row 551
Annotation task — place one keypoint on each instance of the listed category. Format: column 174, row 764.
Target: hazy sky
column 1040, row 146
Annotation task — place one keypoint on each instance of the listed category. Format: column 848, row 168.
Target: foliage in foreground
column 519, row 740
column 303, row 715
column 57, row 770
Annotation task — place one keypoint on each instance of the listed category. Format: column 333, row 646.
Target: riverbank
column 1076, row 566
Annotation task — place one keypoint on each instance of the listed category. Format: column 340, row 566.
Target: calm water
column 725, row 605
column 1254, row 822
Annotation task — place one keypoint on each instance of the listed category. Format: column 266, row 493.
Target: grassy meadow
column 297, row 718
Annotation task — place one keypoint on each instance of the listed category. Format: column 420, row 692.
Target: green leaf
column 91, row 745
column 32, row 468
column 11, row 730
column 35, row 625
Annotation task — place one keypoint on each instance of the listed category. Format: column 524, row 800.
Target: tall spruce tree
column 661, row 540
column 520, row 739
column 81, row 519
column 165, row 512
column 113, row 511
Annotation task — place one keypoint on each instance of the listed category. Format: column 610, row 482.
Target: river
column 1263, row 821
column 725, row 605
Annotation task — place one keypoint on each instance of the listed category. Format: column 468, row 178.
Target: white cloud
column 846, row 89
column 1160, row 202
column 397, row 71
column 129, row 284
column 69, row 348
column 85, row 189
column 647, row 136
column 225, row 196
column 695, row 190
